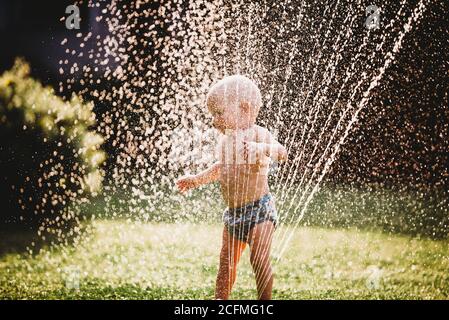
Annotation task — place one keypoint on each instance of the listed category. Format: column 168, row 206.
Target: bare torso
column 244, row 178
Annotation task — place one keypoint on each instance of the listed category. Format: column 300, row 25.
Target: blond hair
column 236, row 89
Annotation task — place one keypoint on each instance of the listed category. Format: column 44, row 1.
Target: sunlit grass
column 123, row 260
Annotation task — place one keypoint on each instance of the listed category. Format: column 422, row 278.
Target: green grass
column 122, row 260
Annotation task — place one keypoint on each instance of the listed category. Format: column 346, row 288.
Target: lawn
column 129, row 260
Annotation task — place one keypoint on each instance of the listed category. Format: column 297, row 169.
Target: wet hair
column 234, row 90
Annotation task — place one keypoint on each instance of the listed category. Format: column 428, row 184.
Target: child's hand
column 253, row 152
column 258, row 151
column 186, row 183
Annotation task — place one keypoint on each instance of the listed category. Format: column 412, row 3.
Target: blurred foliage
column 420, row 214
column 51, row 154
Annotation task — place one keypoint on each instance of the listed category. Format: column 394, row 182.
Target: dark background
column 403, row 135
column 32, row 29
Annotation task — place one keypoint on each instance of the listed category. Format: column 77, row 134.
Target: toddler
column 244, row 154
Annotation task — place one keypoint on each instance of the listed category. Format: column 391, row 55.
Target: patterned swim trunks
column 239, row 221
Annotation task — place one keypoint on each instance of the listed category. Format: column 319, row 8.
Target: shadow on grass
column 17, row 238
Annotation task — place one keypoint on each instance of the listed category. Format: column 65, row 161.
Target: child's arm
column 194, row 181
column 274, row 150
column 267, row 146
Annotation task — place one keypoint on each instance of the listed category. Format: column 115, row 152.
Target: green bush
column 50, row 153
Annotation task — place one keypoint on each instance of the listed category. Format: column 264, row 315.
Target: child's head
column 234, row 103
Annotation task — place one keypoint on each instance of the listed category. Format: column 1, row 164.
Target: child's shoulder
column 261, row 129
column 263, row 134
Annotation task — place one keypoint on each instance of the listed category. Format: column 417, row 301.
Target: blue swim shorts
column 239, row 221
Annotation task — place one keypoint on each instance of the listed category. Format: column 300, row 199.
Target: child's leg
column 260, row 245
column 230, row 254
